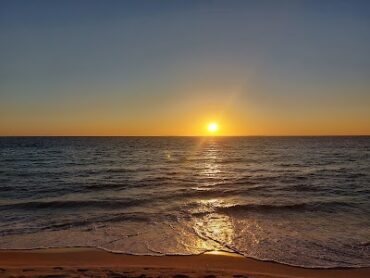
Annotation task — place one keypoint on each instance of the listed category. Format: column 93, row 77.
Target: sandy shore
column 83, row 262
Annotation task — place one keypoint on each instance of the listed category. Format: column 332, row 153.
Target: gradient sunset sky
column 170, row 67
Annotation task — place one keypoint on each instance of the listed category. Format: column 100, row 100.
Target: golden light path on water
column 215, row 231
column 209, row 229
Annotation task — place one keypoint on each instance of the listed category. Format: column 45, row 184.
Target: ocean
column 301, row 201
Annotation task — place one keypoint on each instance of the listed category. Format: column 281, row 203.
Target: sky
column 169, row 67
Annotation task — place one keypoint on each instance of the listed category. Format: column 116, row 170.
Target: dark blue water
column 296, row 200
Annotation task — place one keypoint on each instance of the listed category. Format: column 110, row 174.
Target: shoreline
column 214, row 252
column 92, row 262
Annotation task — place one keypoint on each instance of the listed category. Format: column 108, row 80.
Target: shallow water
column 297, row 200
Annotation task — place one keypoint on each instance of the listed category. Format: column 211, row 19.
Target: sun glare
column 212, row 127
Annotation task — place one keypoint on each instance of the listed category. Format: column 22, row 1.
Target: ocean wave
column 330, row 206
column 72, row 204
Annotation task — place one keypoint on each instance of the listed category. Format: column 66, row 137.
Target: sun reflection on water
column 210, row 154
column 214, row 230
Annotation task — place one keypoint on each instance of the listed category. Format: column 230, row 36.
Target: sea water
column 296, row 200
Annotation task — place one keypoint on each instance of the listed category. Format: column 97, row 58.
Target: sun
column 212, row 127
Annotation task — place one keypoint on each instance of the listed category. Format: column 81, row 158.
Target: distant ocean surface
column 297, row 200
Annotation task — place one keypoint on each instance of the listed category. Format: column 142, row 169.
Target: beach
column 90, row 262
column 184, row 138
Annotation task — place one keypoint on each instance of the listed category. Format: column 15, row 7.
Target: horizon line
column 211, row 136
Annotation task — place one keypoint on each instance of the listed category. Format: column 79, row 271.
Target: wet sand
column 89, row 262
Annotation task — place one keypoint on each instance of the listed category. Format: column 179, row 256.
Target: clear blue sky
column 168, row 67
